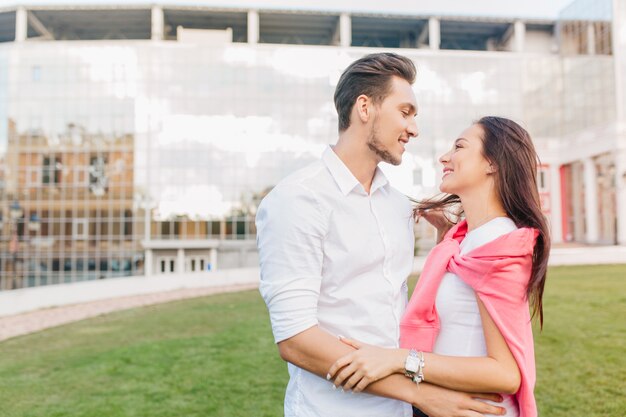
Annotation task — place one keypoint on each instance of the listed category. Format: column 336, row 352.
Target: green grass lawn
column 215, row 356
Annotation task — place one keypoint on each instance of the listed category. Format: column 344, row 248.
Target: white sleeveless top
column 461, row 331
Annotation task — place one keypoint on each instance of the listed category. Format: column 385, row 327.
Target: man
column 336, row 243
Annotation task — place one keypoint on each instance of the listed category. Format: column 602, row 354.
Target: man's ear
column 363, row 107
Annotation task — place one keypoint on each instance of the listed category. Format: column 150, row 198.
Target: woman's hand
column 365, row 365
column 438, row 219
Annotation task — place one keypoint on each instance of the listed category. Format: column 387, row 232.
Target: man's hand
column 441, row 402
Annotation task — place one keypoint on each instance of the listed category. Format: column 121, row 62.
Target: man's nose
column 412, row 129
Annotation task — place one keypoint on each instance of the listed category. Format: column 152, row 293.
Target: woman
column 467, row 326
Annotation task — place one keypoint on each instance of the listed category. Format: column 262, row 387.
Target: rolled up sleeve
column 291, row 225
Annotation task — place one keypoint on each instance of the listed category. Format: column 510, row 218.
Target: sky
column 530, row 9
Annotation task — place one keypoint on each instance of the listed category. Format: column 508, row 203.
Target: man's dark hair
column 370, row 75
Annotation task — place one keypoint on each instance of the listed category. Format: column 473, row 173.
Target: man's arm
column 316, row 350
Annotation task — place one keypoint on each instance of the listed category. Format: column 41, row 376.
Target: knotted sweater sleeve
column 499, row 274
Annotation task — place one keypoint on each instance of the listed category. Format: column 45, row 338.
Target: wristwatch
column 411, row 364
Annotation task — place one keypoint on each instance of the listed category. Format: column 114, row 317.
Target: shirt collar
column 380, row 181
column 344, row 177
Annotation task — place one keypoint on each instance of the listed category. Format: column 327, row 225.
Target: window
column 98, row 181
column 81, row 176
column 542, row 179
column 241, row 228
column 170, row 229
column 166, row 264
column 196, row 264
column 80, row 228
column 51, row 172
column 215, row 228
column 128, row 223
column 33, row 178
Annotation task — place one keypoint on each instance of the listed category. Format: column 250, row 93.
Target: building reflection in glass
column 121, row 153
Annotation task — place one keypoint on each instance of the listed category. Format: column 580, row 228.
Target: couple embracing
column 336, row 247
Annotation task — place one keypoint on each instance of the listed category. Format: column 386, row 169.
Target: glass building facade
column 130, row 157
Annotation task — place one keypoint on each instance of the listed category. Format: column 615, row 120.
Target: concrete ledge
column 588, row 255
column 36, row 298
column 583, row 255
column 31, row 299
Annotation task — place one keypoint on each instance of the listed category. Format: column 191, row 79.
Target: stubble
column 374, row 144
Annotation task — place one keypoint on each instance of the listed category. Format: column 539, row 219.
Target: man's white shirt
column 334, row 256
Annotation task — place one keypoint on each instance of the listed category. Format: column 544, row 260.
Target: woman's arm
column 314, row 349
column 497, row 372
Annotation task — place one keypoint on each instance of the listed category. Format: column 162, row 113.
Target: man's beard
column 375, row 146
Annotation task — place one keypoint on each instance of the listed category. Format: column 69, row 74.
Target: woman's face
column 465, row 169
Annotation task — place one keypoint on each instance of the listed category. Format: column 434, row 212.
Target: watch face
column 411, row 364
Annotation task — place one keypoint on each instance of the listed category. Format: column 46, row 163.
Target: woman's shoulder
column 488, row 232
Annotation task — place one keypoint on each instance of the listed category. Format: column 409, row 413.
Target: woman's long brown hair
column 509, row 147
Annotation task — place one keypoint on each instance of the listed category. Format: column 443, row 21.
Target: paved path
column 21, row 324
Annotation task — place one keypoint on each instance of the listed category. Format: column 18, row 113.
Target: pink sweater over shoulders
column 498, row 272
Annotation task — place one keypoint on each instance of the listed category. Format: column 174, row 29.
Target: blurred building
column 140, row 139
